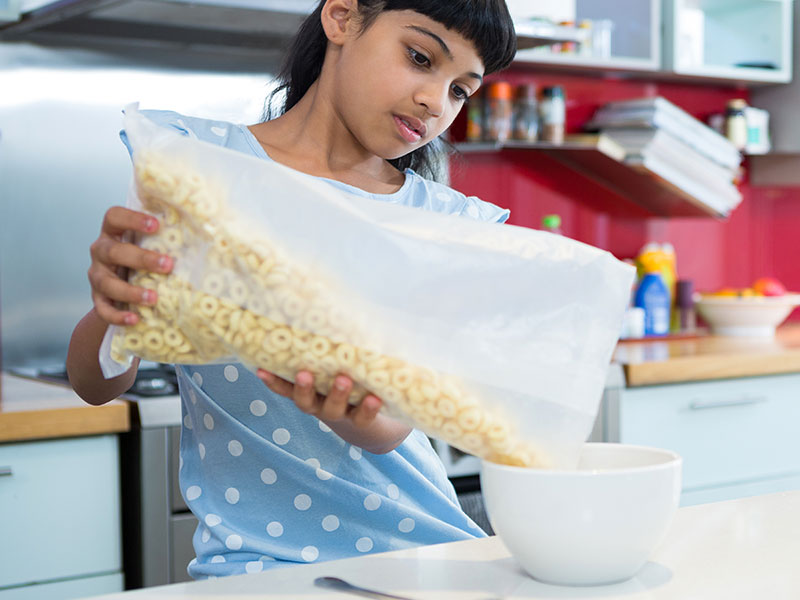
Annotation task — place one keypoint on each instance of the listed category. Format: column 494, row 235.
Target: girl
column 275, row 473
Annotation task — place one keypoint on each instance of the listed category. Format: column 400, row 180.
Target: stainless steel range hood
column 226, row 24
column 235, row 24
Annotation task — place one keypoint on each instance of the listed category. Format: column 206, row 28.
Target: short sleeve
column 480, row 210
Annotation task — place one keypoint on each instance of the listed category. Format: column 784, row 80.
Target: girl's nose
column 433, row 98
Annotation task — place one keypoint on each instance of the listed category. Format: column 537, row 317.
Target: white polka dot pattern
column 406, row 525
column 392, row 491
column 233, row 542
column 269, row 476
column 275, row 529
column 232, row 495
column 258, row 408
column 372, row 502
column 193, row 492
column 364, row 544
column 302, row 502
column 281, row 436
column 310, row 553
column 235, row 448
column 213, row 520
column 330, row 523
column 231, row 373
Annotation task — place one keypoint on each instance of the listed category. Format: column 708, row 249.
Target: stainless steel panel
column 176, row 501
column 181, row 530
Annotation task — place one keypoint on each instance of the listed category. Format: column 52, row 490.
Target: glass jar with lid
column 526, row 113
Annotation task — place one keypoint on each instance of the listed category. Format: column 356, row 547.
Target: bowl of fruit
column 753, row 311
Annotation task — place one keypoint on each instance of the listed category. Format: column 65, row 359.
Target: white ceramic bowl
column 595, row 525
column 748, row 316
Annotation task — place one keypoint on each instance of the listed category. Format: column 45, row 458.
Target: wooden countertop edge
column 65, row 422
column 700, row 368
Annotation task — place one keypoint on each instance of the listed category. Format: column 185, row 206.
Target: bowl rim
column 789, row 298
column 673, row 459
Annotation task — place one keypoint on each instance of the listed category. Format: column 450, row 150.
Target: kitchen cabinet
column 738, row 437
column 736, row 40
column 780, row 166
column 634, row 30
column 61, row 528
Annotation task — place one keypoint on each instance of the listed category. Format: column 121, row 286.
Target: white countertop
column 748, row 549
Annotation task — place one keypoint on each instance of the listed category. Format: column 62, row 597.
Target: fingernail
column 149, row 297
column 150, row 224
column 341, row 384
column 130, row 319
column 303, row 379
column 164, row 262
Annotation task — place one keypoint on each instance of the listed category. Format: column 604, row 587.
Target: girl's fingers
column 276, row 384
column 119, row 219
column 335, row 405
column 118, row 290
column 109, row 251
column 305, row 396
column 110, row 314
column 363, row 414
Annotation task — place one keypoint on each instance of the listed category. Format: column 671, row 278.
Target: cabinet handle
column 6, row 472
column 745, row 401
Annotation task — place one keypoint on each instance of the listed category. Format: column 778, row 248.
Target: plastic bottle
column 552, row 115
column 499, row 111
column 653, row 297
column 526, row 114
column 736, row 123
column 552, row 223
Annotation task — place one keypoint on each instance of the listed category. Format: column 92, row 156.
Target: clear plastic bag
column 491, row 337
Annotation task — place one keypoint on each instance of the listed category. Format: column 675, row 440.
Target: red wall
column 760, row 238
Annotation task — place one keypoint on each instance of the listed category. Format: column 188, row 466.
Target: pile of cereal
column 256, row 305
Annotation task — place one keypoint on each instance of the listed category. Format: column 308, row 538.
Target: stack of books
column 664, row 141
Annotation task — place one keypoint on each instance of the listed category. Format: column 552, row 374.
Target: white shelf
column 534, row 34
column 580, row 63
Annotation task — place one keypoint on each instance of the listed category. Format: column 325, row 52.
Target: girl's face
column 402, row 81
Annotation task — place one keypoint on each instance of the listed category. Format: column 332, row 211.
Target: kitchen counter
column 36, row 410
column 709, row 357
column 744, row 549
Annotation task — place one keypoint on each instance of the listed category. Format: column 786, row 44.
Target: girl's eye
column 418, row 58
column 460, row 93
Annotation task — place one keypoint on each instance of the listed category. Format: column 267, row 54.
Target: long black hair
column 486, row 23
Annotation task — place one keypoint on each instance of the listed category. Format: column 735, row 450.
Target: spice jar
column 475, row 118
column 499, row 111
column 526, row 114
column 552, row 114
column 736, row 123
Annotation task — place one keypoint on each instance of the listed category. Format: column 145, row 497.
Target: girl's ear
column 338, row 19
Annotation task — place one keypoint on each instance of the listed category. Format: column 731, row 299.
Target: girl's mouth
column 407, row 130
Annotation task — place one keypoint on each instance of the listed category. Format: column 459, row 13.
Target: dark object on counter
column 684, row 306
column 552, row 113
column 526, row 114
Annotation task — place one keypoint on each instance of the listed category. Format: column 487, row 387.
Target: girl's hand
column 331, row 409
column 111, row 255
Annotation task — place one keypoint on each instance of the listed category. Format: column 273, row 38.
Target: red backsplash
column 760, row 238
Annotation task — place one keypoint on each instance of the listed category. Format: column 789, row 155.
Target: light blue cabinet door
column 727, row 431
column 59, row 510
column 66, row 590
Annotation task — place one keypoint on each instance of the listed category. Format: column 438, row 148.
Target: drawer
column 727, row 431
column 60, row 508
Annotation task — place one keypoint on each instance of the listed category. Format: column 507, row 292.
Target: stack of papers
column 664, row 141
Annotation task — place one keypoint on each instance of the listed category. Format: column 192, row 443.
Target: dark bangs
column 486, row 23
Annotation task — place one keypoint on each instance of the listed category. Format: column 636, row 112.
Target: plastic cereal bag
column 493, row 338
